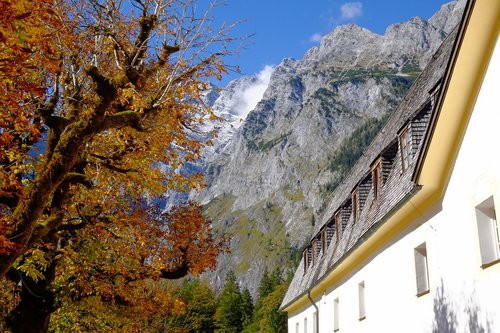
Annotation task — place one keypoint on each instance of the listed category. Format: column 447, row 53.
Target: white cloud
column 316, row 38
column 351, row 10
column 248, row 98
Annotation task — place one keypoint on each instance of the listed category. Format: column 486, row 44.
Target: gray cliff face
column 269, row 176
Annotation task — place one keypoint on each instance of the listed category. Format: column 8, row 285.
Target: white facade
column 464, row 294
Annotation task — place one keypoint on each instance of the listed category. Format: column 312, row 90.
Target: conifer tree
column 267, row 317
column 265, row 285
column 247, row 307
column 228, row 316
column 269, row 282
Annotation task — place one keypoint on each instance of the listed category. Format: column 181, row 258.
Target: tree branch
column 147, row 24
column 117, row 168
column 105, row 88
column 79, row 178
column 71, row 227
column 123, row 119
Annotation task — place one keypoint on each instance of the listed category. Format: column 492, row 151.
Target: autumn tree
column 125, row 100
column 101, row 105
column 112, row 268
column 131, row 277
column 26, row 39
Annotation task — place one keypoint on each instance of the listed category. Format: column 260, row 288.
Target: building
column 410, row 240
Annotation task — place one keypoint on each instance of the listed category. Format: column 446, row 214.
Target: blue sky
column 288, row 28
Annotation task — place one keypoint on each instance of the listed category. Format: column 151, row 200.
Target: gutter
column 317, row 309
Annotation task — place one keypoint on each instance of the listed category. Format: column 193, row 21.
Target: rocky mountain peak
column 277, row 166
column 448, row 16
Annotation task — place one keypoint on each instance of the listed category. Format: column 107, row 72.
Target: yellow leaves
column 34, row 264
column 132, row 99
column 107, row 261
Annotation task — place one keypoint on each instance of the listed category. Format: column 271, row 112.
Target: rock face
column 270, row 173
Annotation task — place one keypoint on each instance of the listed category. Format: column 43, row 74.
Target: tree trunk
column 38, row 193
column 32, row 315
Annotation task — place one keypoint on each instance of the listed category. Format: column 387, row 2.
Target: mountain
column 271, row 171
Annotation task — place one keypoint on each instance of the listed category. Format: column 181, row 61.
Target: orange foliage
column 114, row 266
column 26, row 58
column 101, row 107
column 119, row 95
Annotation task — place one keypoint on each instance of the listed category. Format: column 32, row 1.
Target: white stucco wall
column 463, row 296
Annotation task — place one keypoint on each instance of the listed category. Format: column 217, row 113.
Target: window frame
column 377, row 178
column 306, row 259
column 336, row 312
column 355, row 205
column 421, row 269
column 404, row 148
column 314, row 249
column 488, row 230
column 361, row 301
column 338, row 224
column 315, row 322
column 324, row 242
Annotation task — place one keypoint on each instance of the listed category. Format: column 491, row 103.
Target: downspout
column 317, row 310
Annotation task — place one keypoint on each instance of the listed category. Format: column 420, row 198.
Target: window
column 305, row 325
column 355, row 205
column 315, row 322
column 376, row 175
column 296, row 327
column 405, row 149
column 336, row 315
column 421, row 271
column 361, row 300
column 487, row 227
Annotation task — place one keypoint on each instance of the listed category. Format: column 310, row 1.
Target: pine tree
column 269, row 282
column 267, row 317
column 228, row 316
column 265, row 285
column 247, row 307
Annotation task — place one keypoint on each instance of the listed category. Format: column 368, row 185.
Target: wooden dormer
column 404, row 148
column 355, row 207
column 376, row 170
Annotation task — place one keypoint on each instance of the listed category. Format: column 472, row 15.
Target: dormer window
column 306, row 259
column 323, row 240
column 376, row 178
column 338, row 224
column 404, row 148
column 330, row 230
column 355, row 205
column 314, row 251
